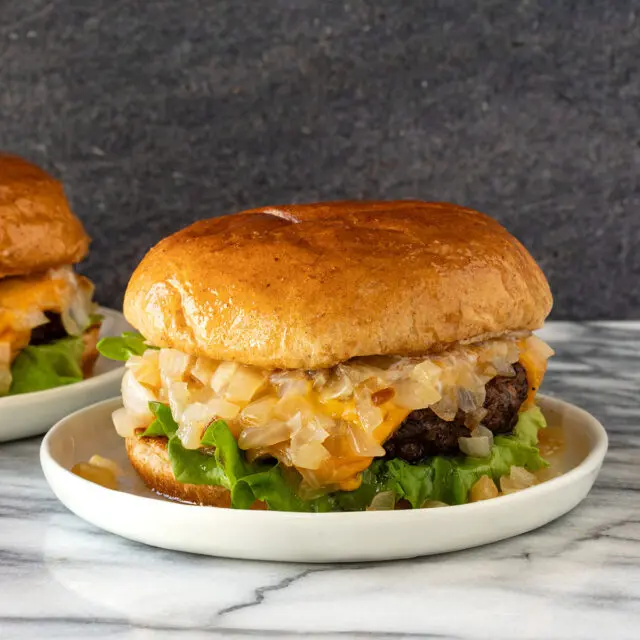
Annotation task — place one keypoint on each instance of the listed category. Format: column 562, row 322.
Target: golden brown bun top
column 309, row 286
column 37, row 229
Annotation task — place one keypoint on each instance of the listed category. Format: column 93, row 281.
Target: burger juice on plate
column 48, row 329
column 335, row 356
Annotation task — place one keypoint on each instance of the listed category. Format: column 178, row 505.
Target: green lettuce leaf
column 247, row 481
column 221, row 462
column 450, row 479
column 164, row 424
column 123, row 347
column 528, row 425
column 227, row 453
column 46, row 366
column 194, row 467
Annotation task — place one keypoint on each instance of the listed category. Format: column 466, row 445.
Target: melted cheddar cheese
column 343, row 468
column 534, row 360
column 23, row 300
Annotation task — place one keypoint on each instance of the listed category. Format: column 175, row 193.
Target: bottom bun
column 90, row 354
column 150, row 459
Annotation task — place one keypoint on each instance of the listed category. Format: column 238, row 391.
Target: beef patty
column 424, row 434
column 52, row 330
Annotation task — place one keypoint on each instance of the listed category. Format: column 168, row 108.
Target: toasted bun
column 37, row 229
column 309, row 286
column 149, row 458
column 90, row 354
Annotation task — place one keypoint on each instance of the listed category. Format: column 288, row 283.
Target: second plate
column 29, row 414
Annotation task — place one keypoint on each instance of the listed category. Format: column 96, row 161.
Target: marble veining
column 578, row 577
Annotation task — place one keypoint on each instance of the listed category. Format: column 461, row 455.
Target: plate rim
column 87, row 383
column 589, row 465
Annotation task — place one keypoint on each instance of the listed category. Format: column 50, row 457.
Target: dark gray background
column 158, row 113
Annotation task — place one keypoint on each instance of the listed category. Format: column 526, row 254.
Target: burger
column 334, row 357
column 48, row 325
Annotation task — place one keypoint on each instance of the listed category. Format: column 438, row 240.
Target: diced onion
column 307, row 431
column 291, row 404
column 483, row 489
column 540, row 347
column 358, row 371
column 126, row 423
column 446, row 408
column 466, row 401
column 223, row 408
column 480, row 431
column 190, row 434
column 426, row 373
column 383, row 501
column 145, row 368
column 203, row 370
column 473, row 419
column 363, row 444
column 309, row 456
column 223, row 375
column 504, row 368
column 244, row 383
column 519, row 478
column 93, row 473
column 413, row 395
column 338, row 387
column 320, row 378
column 173, row 365
column 265, row 435
column 179, row 398
column 306, row 448
column 258, row 412
column 196, row 417
column 76, row 317
column 105, row 463
column 475, row 447
column 370, row 415
column 291, row 382
column 136, row 397
column 321, row 421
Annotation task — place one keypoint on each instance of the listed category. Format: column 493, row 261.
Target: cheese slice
column 23, row 301
column 534, row 356
column 342, row 469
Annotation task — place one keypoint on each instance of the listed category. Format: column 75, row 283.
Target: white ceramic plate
column 136, row 513
column 29, row 414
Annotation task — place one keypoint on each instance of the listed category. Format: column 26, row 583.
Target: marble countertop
column 578, row 577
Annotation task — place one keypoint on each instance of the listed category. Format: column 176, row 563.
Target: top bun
column 37, row 229
column 309, row 286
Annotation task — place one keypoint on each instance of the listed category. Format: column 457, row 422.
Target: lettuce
column 439, row 478
column 227, row 467
column 450, row 479
column 124, row 346
column 46, row 366
column 258, row 481
column 164, row 424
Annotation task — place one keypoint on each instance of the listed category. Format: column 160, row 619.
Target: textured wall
column 159, row 113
